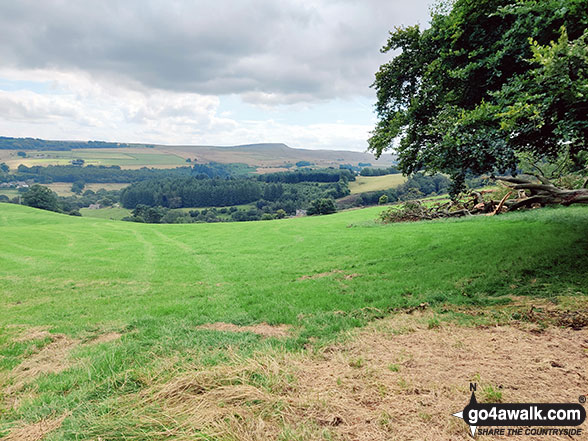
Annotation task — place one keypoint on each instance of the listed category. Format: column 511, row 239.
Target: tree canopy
column 41, row 197
column 489, row 80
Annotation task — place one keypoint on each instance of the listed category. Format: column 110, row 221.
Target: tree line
column 8, row 143
column 114, row 173
column 309, row 175
column 218, row 192
column 417, row 186
column 372, row 171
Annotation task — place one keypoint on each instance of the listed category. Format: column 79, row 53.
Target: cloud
column 271, row 52
column 78, row 108
column 195, row 72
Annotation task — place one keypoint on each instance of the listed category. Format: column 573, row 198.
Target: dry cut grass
column 397, row 379
column 36, row 431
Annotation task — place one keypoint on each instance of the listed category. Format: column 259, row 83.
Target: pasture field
column 330, row 327
column 64, row 188
column 112, row 213
column 263, row 157
column 10, row 192
column 364, row 184
column 124, row 157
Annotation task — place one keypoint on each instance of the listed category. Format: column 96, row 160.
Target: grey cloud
column 26, row 106
column 290, row 50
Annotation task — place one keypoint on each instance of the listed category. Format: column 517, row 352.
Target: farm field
column 64, row 188
column 363, row 184
column 330, row 327
column 124, row 157
column 10, row 192
column 112, row 213
column 263, row 157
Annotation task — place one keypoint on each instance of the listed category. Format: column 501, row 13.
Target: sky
column 222, row 72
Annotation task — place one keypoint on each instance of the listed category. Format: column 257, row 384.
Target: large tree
column 487, row 81
column 42, row 197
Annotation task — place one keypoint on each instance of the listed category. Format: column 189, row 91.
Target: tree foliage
column 488, row 80
column 7, row 143
column 103, row 174
column 192, row 192
column 322, row 206
column 41, row 197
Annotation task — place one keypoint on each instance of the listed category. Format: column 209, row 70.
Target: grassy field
column 114, row 330
column 64, row 188
column 126, row 158
column 265, row 157
column 10, row 192
column 363, row 184
column 113, row 213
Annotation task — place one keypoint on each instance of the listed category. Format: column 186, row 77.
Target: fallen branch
column 501, row 204
column 541, row 193
column 544, row 193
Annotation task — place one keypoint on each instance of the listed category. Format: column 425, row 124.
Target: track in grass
column 155, row 285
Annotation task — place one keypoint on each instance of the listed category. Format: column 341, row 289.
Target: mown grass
column 156, row 283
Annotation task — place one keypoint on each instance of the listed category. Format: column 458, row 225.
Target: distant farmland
column 126, row 158
column 267, row 157
column 363, row 184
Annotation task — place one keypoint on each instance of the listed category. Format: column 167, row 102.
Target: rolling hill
column 112, row 330
column 266, row 157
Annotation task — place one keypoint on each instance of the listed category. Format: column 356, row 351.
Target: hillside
column 364, row 184
column 141, row 326
column 266, row 157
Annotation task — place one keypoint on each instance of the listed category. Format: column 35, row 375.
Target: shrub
column 322, row 206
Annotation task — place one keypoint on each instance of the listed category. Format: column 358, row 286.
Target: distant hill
column 266, row 157
column 274, row 155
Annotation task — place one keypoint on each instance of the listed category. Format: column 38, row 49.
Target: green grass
column 364, row 184
column 64, row 188
column 126, row 158
column 113, row 213
column 156, row 283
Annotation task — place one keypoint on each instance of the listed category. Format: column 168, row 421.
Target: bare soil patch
column 401, row 381
column 105, row 338
column 396, row 379
column 34, row 333
column 35, row 431
column 51, row 358
column 261, row 329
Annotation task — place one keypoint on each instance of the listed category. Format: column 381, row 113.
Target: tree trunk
column 543, row 193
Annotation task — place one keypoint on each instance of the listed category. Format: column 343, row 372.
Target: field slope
column 363, row 184
column 99, row 317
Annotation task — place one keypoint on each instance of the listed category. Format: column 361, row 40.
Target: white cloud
column 157, row 71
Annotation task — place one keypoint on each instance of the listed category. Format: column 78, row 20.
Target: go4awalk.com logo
column 539, row 418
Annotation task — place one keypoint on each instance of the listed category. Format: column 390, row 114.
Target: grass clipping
column 397, row 379
column 35, row 431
